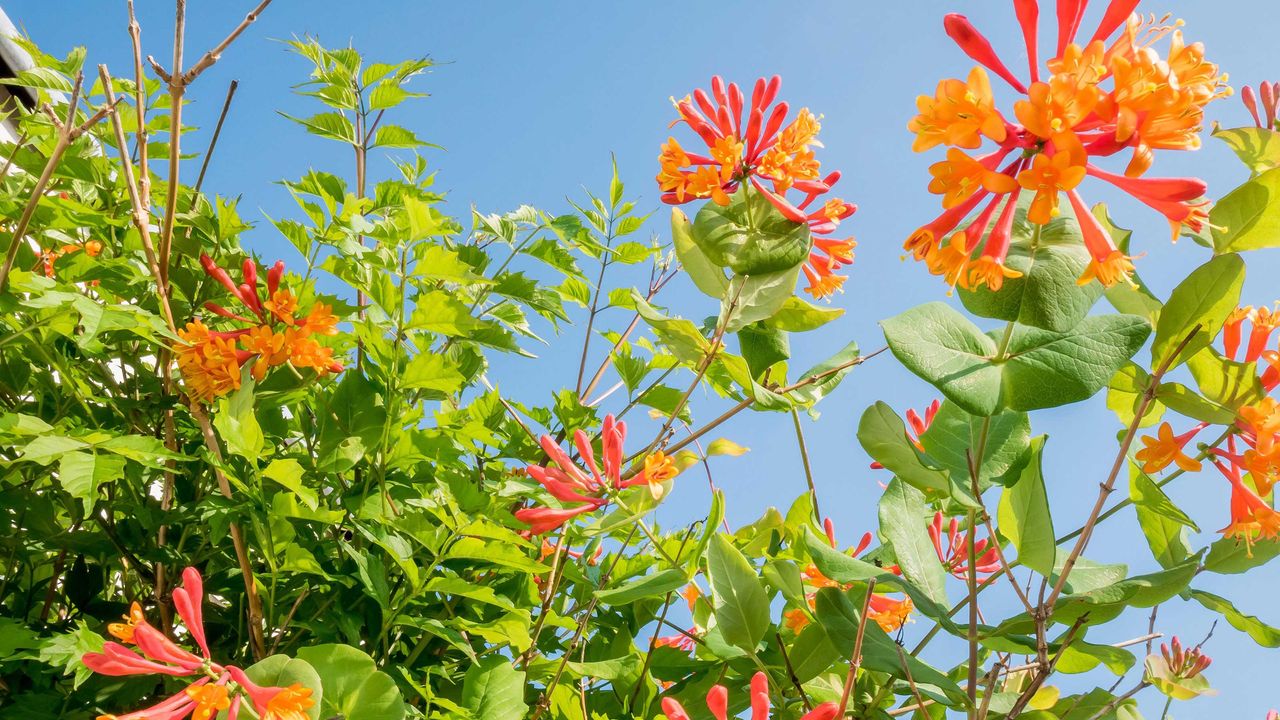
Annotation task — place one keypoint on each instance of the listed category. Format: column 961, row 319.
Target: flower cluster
column 92, row 248
column 956, row 557
column 718, row 703
column 916, row 426
column 1269, row 94
column 211, row 361
column 887, row 612
column 215, row 688
column 766, row 155
column 1066, row 120
column 1185, row 663
column 1251, row 460
column 583, row 491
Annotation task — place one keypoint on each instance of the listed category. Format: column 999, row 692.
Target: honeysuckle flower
column 211, row 361
column 275, row 703
column 678, row 641
column 583, row 491
column 210, row 691
column 91, row 248
column 1066, row 119
column 124, row 631
column 760, row 155
column 691, row 593
column 1165, row 449
column 718, row 703
column 956, row 557
column 1252, row 518
column 889, row 613
column 1266, row 119
column 1184, row 662
column 916, row 426
column 886, row 611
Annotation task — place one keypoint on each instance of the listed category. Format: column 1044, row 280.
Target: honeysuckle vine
column 385, row 506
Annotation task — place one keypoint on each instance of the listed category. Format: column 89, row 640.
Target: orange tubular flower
column 1166, row 448
column 718, row 704
column 763, row 154
column 211, row 692
column 1252, row 518
column 916, row 426
column 888, row 613
column 1100, row 96
column 583, row 491
column 211, row 361
column 124, row 631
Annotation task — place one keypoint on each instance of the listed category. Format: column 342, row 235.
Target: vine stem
column 855, row 662
column 804, row 459
column 1086, row 532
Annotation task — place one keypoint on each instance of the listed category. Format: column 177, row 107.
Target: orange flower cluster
column 772, row 158
column 211, row 361
column 1251, row 460
column 1065, row 121
column 215, row 690
column 887, row 612
column 583, row 491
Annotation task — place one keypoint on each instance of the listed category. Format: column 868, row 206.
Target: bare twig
column 214, row 54
column 1106, row 709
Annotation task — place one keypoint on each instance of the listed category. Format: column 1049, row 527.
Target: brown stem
column 1148, row 396
column 213, row 55
column 142, row 223
column 855, row 661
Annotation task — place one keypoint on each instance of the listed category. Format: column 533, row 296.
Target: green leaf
column 826, row 376
column 761, row 295
column 679, row 335
column 283, row 671
column 797, row 315
column 1024, row 515
column 884, row 436
column 1125, row 393
column 1047, row 295
column 741, row 604
column 1228, row 556
column 493, row 690
column 943, row 348
column 954, row 437
column 1225, row 382
column 838, row 614
column 1048, row 369
column 394, row 136
column 646, row 586
column 1248, row 218
column 1262, row 633
column 902, row 524
column 288, row 473
column 430, row 371
column 1257, row 148
column 706, row 276
column 331, row 125
column 82, row 473
column 1183, row 400
column 238, row 425
column 1200, row 305
column 353, row 686
column 1163, row 524
column 750, row 236
column 763, row 347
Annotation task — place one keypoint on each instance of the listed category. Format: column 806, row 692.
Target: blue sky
column 533, row 98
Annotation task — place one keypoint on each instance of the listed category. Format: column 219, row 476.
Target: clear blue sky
column 537, row 95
